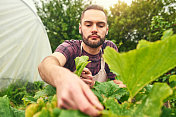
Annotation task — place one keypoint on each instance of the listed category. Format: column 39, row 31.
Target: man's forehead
column 94, row 15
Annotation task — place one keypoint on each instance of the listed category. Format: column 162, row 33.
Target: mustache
column 94, row 35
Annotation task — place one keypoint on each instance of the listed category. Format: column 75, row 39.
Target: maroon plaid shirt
column 72, row 49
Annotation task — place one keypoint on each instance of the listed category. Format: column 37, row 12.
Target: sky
column 107, row 3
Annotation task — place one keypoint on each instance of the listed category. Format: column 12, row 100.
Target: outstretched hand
column 73, row 93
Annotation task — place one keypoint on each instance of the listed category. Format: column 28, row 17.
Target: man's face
column 93, row 28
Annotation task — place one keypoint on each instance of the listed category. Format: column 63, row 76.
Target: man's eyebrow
column 88, row 21
column 101, row 23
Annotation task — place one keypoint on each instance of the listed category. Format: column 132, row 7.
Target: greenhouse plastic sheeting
column 23, row 42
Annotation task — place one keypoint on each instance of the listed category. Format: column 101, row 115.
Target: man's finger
column 87, row 76
column 83, row 103
column 63, row 105
column 65, row 100
column 92, row 98
column 87, row 81
column 122, row 85
column 118, row 82
column 87, row 71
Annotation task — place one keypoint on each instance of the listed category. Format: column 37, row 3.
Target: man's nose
column 94, row 29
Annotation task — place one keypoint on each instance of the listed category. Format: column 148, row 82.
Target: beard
column 93, row 44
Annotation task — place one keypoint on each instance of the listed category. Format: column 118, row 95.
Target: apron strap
column 101, row 76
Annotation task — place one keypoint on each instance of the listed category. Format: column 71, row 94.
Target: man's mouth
column 94, row 36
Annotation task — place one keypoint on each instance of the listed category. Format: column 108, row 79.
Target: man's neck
column 90, row 50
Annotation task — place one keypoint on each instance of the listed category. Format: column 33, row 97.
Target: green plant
column 141, row 66
column 136, row 68
column 17, row 90
column 81, row 63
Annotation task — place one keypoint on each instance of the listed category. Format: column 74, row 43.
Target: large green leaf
column 112, row 105
column 149, row 107
column 108, row 89
column 139, row 67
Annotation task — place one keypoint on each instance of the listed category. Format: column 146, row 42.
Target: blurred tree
column 158, row 26
column 163, row 21
column 129, row 24
column 61, row 19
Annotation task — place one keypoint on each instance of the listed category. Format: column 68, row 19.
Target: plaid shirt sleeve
column 68, row 49
column 65, row 49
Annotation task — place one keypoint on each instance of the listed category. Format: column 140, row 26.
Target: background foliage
column 61, row 19
column 143, row 19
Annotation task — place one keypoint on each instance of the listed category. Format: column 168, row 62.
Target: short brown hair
column 95, row 7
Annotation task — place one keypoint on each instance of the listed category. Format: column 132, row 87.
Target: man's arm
column 71, row 91
column 51, row 66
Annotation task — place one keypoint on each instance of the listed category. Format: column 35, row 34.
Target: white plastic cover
column 23, row 41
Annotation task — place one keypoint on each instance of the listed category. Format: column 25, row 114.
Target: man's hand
column 120, row 83
column 87, row 77
column 73, row 93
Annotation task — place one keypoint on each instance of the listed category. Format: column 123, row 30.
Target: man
column 57, row 69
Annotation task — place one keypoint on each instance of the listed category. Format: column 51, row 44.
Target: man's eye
column 88, row 25
column 101, row 26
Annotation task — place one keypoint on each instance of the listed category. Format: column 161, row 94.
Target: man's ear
column 79, row 28
column 107, row 29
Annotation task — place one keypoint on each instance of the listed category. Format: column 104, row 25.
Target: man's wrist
column 60, row 75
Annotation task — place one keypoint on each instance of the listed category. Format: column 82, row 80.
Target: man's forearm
column 50, row 69
column 71, row 91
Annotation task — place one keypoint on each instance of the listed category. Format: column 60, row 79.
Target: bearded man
column 57, row 69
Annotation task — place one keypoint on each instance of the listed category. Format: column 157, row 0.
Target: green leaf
column 172, row 78
column 43, row 113
column 72, row 113
column 56, row 112
column 167, row 34
column 81, row 63
column 29, row 99
column 139, row 67
column 108, row 89
column 47, row 91
column 17, row 113
column 168, row 112
column 172, row 81
column 7, row 111
column 151, row 106
column 141, row 95
column 108, row 113
column 143, row 43
column 172, row 84
column 114, row 107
